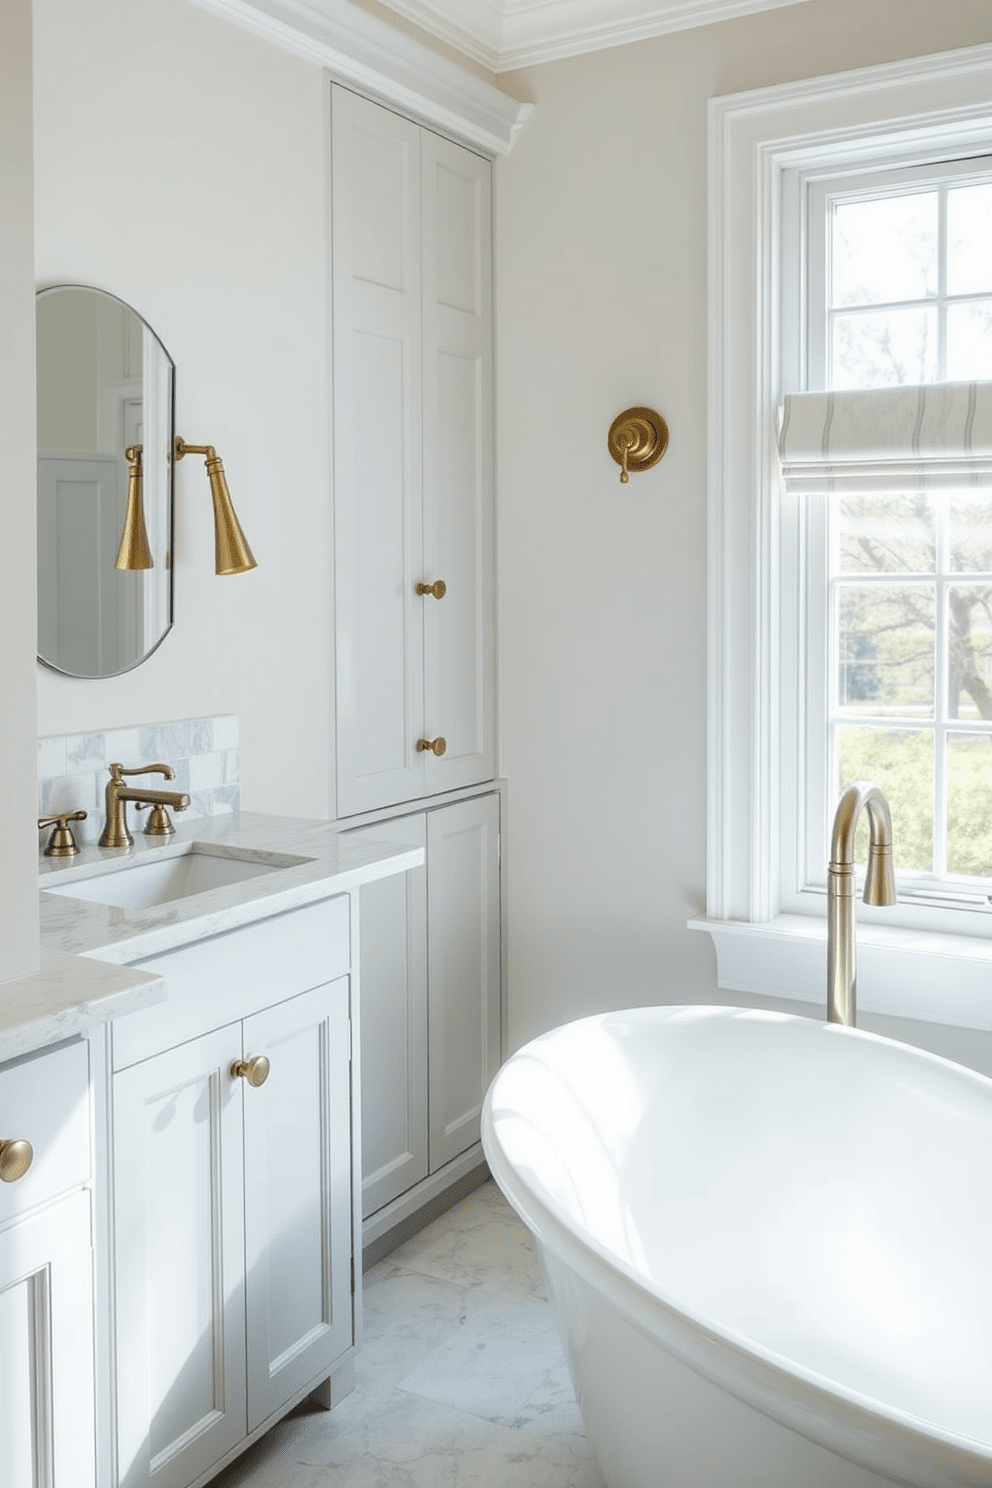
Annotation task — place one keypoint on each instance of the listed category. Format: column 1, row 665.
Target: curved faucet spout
column 880, row 888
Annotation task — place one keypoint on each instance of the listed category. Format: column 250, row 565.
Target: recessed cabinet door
column 179, row 1256
column 393, row 941
column 413, row 459
column 458, row 463
column 297, row 1196
column 46, row 1349
column 378, row 476
column 463, row 969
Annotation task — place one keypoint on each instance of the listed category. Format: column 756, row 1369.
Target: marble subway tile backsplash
column 73, row 768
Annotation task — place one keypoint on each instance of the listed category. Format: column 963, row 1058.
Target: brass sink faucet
column 115, row 833
column 880, row 888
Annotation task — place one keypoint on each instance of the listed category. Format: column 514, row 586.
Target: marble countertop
column 84, row 976
column 66, row 996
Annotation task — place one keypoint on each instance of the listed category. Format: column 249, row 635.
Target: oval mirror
column 105, row 458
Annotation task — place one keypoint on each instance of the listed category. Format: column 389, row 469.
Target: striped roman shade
column 887, row 439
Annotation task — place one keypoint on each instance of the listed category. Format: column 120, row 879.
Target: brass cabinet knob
column 255, row 1070
column 435, row 746
column 15, row 1159
column 439, row 588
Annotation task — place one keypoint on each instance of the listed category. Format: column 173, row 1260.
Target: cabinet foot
column 331, row 1392
column 322, row 1396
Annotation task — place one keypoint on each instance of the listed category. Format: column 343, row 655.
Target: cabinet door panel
column 458, row 630
column 380, row 641
column 25, row 1401
column 46, row 1348
column 178, row 1196
column 458, row 193
column 458, row 461
column 378, row 476
column 393, row 945
column 463, row 969
column 298, row 1196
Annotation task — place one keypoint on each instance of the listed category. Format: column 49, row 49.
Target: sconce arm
column 182, row 448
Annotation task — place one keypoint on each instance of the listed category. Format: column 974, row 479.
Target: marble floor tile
column 461, row 1381
column 479, row 1243
column 423, row 1444
column 504, row 1364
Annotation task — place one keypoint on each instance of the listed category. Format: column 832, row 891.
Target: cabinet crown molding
column 359, row 49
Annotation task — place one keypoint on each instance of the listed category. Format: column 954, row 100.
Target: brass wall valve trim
column 15, row 1158
column 254, row 1070
column 61, row 844
column 637, row 440
column 439, row 588
column 432, row 746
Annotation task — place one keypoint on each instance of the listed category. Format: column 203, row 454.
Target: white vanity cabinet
column 47, row 1413
column 413, row 459
column 431, row 1012
column 233, row 1224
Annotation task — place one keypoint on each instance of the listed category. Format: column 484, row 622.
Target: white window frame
column 931, row 965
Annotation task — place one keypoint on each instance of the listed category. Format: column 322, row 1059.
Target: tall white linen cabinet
column 411, row 245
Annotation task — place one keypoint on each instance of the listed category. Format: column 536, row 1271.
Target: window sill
column 936, row 978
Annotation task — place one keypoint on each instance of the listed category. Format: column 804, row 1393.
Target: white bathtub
column 768, row 1244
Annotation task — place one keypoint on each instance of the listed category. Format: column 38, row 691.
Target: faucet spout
column 880, row 888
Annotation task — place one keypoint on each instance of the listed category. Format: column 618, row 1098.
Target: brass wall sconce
column 134, row 551
column 637, row 440
column 232, row 555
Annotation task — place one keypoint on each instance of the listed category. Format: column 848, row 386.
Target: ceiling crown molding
column 360, row 49
column 506, row 34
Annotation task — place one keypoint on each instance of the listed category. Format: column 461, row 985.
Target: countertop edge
column 85, row 976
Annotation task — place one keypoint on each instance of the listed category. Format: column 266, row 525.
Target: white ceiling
column 504, row 34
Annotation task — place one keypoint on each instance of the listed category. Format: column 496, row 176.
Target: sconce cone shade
column 232, row 555
column 134, row 551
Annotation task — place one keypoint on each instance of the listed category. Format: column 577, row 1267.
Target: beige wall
column 18, row 809
column 180, row 164
column 601, row 257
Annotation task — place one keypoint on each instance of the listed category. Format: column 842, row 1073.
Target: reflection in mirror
column 105, row 385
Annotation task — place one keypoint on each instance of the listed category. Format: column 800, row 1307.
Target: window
column 851, row 627
column 899, row 294
column 900, row 283
column 910, row 668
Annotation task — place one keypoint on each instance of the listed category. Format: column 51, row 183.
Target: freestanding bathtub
column 767, row 1242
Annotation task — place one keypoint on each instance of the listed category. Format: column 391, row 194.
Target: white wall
column 180, row 164
column 601, row 256
column 18, row 811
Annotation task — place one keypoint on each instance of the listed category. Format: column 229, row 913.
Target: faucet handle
column 61, row 844
column 159, row 823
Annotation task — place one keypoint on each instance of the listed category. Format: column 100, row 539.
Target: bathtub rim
column 867, row 1431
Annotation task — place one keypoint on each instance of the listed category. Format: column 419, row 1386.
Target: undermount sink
column 161, row 880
